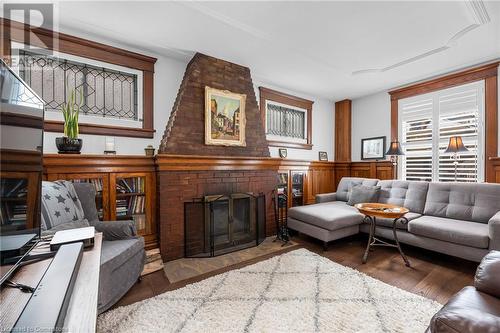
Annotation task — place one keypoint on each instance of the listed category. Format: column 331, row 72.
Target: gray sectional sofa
column 458, row 219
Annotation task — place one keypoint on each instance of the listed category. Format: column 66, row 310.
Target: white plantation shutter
column 426, row 123
column 416, row 115
column 460, row 113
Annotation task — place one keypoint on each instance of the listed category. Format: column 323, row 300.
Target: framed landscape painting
column 225, row 119
column 373, row 148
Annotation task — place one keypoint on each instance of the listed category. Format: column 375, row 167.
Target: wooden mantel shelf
column 60, row 163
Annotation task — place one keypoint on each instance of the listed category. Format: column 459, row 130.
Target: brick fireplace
column 178, row 187
column 187, row 168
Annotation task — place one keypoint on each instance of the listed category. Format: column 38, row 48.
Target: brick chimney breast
column 185, row 130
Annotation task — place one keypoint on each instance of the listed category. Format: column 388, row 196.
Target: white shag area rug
column 295, row 292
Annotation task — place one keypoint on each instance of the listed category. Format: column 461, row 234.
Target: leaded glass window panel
column 106, row 92
column 285, row 121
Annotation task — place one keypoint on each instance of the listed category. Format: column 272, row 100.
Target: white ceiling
column 309, row 47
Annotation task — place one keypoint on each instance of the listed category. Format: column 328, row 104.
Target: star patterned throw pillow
column 60, row 204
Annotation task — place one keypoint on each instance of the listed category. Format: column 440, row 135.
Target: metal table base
column 374, row 241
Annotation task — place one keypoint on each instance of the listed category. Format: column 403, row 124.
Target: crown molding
column 479, row 14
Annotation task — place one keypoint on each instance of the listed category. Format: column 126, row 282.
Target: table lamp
column 455, row 147
column 395, row 151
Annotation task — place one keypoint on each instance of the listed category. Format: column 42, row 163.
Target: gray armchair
column 123, row 255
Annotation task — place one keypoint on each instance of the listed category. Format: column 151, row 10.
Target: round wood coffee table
column 374, row 210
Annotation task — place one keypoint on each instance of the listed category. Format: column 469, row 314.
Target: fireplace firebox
column 219, row 224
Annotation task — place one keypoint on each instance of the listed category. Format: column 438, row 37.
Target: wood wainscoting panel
column 380, row 170
column 362, row 170
column 385, row 171
column 495, row 165
column 342, row 169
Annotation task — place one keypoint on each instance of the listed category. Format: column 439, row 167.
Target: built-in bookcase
column 120, row 194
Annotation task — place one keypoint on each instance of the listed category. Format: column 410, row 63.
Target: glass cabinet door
column 130, row 201
column 297, row 188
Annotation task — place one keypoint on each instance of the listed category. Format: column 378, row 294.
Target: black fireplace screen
column 220, row 224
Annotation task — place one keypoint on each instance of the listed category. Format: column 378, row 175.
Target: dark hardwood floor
column 433, row 275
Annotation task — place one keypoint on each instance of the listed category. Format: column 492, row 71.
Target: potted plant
column 70, row 143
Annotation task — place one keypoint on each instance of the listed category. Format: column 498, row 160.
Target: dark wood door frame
column 488, row 73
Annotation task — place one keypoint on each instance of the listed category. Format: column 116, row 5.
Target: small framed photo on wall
column 323, row 156
column 373, row 148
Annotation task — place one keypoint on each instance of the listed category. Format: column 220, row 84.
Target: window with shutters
column 426, row 124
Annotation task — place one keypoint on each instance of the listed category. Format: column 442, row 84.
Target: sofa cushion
column 463, row 201
column 60, row 204
column 86, row 193
column 329, row 215
column 347, row 183
column 385, row 222
column 408, row 194
column 116, row 253
column 363, row 194
column 450, row 230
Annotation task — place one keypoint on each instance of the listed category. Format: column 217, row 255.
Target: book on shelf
column 140, row 221
column 136, row 205
column 96, row 182
column 130, row 185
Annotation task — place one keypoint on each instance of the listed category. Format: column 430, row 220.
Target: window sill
column 290, row 145
column 57, row 126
